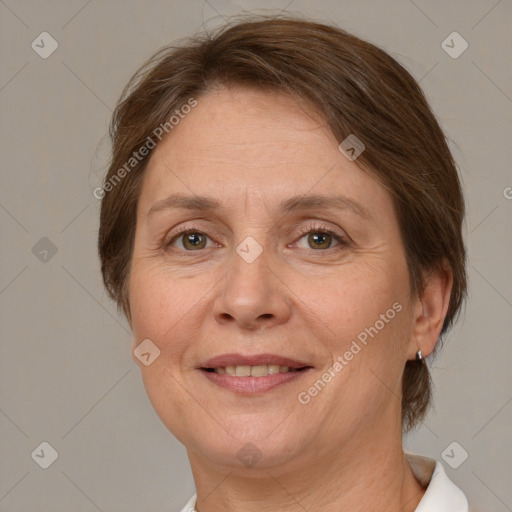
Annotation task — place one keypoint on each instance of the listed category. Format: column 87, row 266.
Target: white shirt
column 441, row 495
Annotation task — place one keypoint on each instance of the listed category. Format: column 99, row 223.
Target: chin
column 240, row 443
column 245, row 454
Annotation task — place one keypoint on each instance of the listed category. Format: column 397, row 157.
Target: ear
column 430, row 311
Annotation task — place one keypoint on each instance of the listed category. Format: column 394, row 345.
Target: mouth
column 252, row 374
column 261, row 370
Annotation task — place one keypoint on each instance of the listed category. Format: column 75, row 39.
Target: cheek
column 161, row 311
column 361, row 315
column 164, row 388
column 352, row 300
column 168, row 309
column 156, row 299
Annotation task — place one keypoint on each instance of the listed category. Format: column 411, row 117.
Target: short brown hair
column 357, row 88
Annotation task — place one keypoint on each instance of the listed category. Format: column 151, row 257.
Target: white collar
column 441, row 495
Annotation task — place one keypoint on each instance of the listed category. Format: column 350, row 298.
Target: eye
column 190, row 239
column 319, row 240
column 319, row 237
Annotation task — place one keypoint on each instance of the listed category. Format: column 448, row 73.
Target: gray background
column 67, row 376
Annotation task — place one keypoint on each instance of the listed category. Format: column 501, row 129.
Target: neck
column 357, row 477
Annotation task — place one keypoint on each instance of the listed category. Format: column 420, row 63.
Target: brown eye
column 189, row 240
column 193, row 241
column 320, row 240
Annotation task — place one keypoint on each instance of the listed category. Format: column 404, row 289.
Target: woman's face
column 294, row 260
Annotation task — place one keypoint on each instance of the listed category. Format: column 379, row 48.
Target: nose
column 252, row 295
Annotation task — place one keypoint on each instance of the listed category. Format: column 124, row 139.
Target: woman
column 281, row 226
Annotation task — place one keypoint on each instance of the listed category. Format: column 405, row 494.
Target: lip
column 252, row 385
column 252, row 360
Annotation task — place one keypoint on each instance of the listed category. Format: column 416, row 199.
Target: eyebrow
column 295, row 203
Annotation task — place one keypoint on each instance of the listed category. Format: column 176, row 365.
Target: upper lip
column 251, row 360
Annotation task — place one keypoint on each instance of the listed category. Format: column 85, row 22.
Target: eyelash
column 316, row 228
column 308, row 229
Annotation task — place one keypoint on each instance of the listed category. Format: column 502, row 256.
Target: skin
column 250, row 150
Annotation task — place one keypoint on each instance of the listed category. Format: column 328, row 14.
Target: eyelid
column 318, row 227
column 168, row 241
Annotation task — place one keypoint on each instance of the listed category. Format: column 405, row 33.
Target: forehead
column 254, row 126
column 239, row 140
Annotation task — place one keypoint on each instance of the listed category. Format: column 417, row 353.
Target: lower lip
column 252, row 385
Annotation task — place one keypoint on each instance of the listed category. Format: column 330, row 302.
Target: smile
column 261, row 370
column 251, row 375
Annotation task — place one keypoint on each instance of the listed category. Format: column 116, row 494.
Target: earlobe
column 430, row 311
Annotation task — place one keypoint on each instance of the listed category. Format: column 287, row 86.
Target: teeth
column 242, row 371
column 254, row 371
column 259, row 371
column 274, row 368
